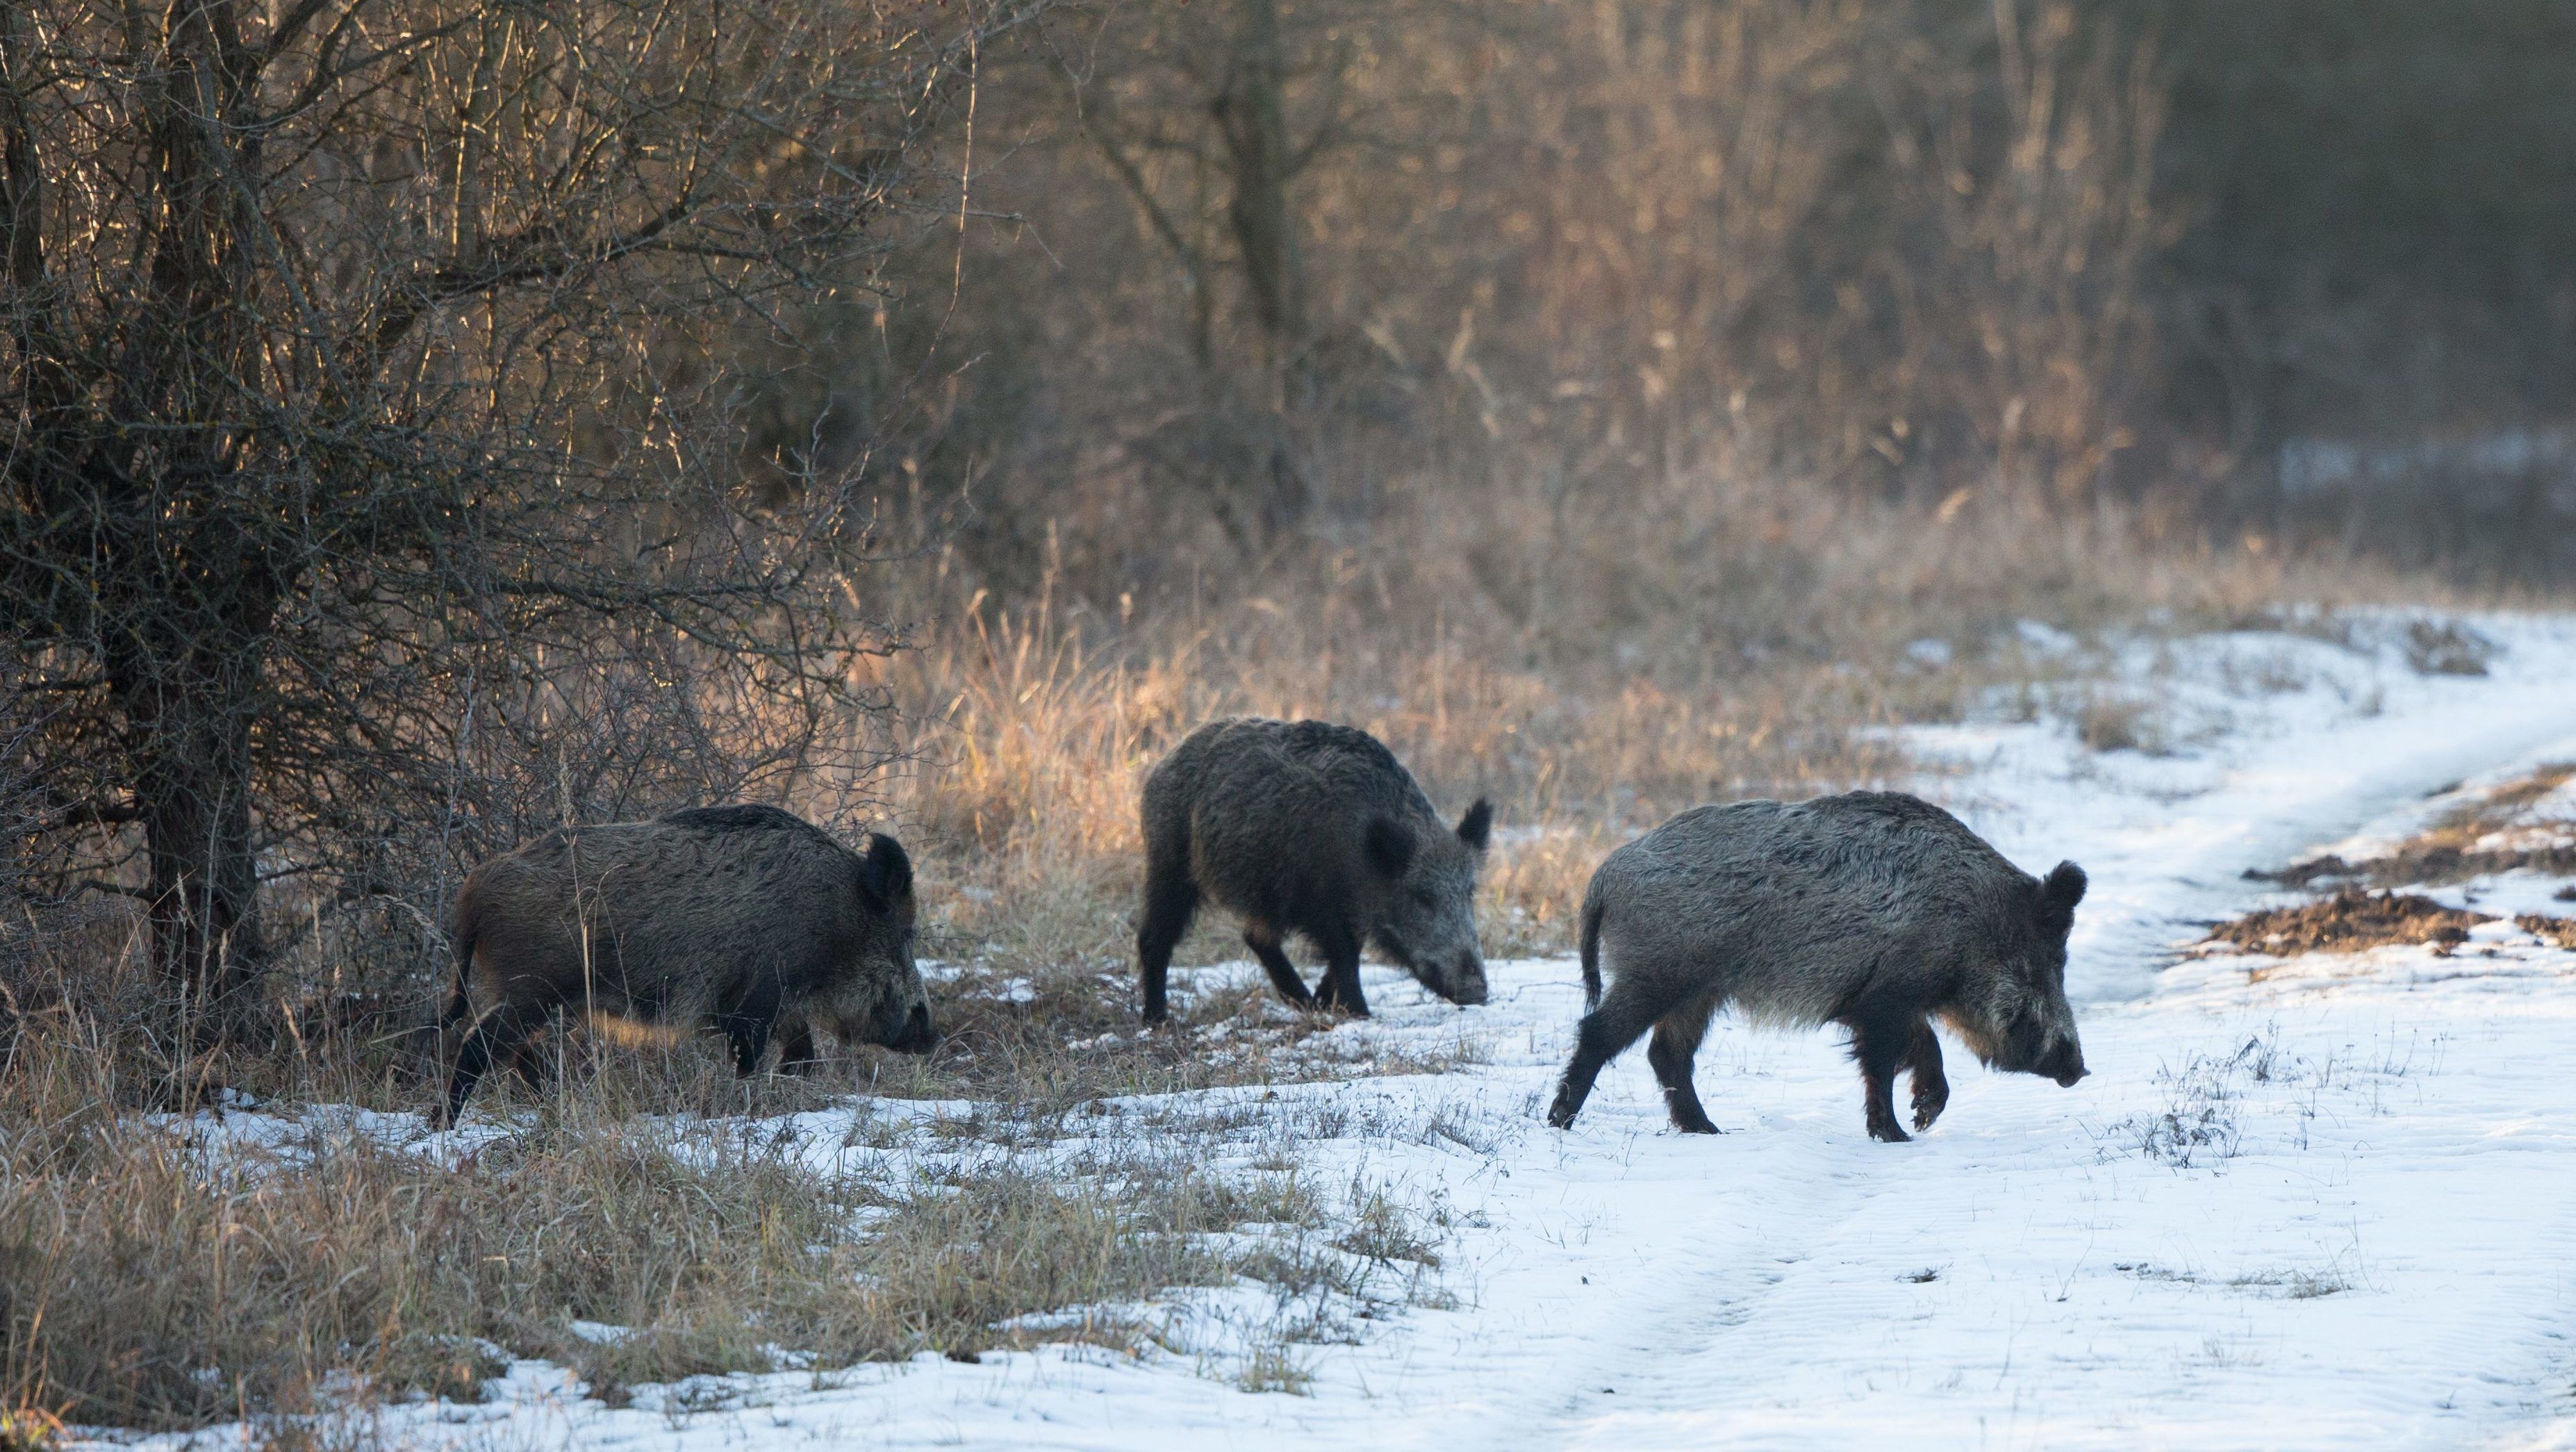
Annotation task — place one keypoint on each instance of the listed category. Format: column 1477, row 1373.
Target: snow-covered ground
column 2320, row 1203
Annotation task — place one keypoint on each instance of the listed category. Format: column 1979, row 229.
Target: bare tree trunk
column 204, row 864
column 188, row 678
column 1255, row 125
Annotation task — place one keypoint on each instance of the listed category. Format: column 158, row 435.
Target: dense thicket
column 373, row 430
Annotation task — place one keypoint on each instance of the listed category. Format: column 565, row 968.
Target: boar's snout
column 908, row 1032
column 1467, row 982
column 2065, row 1063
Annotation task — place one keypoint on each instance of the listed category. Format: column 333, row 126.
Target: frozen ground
column 2323, row 1202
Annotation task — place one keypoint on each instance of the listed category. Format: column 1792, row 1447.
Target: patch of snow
column 2044, row 638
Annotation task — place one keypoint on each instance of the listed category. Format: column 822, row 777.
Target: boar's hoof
column 1888, row 1130
column 1330, row 1000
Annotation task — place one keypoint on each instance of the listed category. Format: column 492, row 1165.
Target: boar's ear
column 1389, row 846
column 2059, row 893
column 1477, row 827
column 885, row 874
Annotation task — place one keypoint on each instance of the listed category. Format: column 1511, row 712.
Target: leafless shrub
column 2110, row 721
column 374, row 450
column 2198, row 1128
column 1292, row 277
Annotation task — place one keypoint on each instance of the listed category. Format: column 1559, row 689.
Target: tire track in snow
column 1686, row 1371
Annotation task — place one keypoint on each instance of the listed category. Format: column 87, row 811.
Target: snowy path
column 2378, row 1245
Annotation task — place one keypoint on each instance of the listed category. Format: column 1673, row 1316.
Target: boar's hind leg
column 1923, row 1065
column 500, row 1032
column 1624, row 1015
column 1171, row 898
column 1263, row 940
column 748, row 1023
column 1881, row 1039
column 1670, row 1051
column 1341, row 990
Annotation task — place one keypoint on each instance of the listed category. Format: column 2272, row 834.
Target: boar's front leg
column 1341, row 990
column 1923, row 1066
column 1263, row 940
column 1881, row 1038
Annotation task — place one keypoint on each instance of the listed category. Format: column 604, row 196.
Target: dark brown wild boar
column 1313, row 829
column 732, row 918
column 1874, row 910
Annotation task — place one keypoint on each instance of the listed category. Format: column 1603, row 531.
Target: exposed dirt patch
column 2557, row 932
column 2348, row 921
column 2459, row 846
column 2431, row 866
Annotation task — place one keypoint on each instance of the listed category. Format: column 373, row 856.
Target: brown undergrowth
column 1591, row 684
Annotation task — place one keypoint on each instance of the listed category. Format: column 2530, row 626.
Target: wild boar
column 1313, row 829
column 730, row 918
column 1874, row 910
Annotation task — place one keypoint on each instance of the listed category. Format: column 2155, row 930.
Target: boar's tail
column 1591, row 949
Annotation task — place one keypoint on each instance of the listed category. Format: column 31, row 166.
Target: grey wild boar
column 739, row 919
column 1312, row 829
column 1876, row 910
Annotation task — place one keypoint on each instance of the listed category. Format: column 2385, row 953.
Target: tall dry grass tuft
column 1592, row 667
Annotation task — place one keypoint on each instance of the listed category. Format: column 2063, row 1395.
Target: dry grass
column 2114, row 722
column 165, row 1273
column 1716, row 637
column 2558, row 932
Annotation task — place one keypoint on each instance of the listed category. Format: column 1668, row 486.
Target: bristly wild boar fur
column 1312, row 829
column 1874, row 910
column 734, row 918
